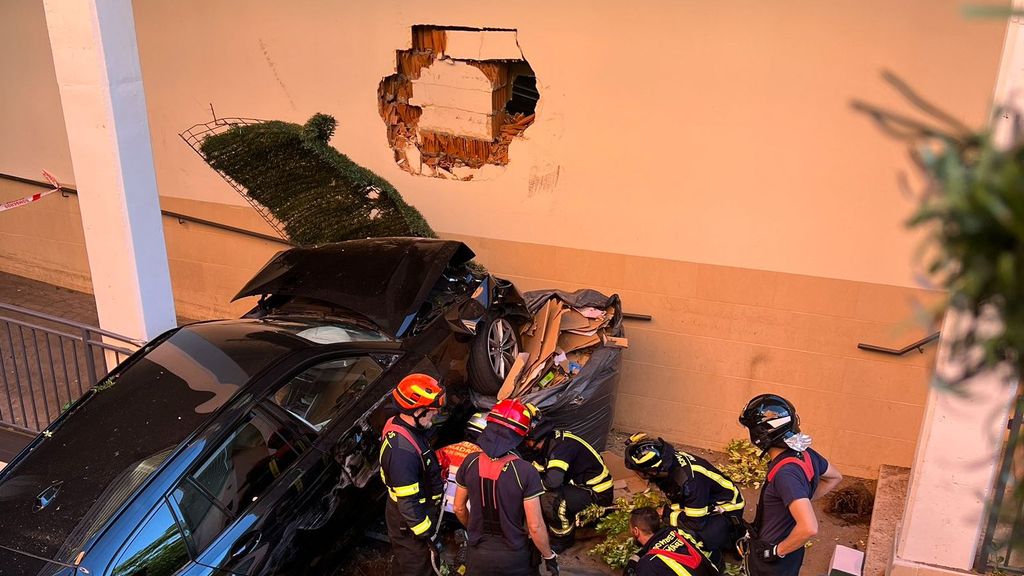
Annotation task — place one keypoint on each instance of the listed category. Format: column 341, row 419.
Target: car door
column 252, row 505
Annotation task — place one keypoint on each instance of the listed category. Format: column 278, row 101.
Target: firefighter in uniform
column 665, row 551
column 411, row 473
column 703, row 500
column 574, row 477
column 785, row 519
column 497, row 499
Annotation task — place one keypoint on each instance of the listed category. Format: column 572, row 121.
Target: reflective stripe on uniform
column 422, row 527
column 673, row 565
column 602, row 481
column 566, row 526
column 736, row 503
column 406, row 491
column 559, row 464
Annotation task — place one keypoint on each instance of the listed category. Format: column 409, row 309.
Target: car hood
column 382, row 279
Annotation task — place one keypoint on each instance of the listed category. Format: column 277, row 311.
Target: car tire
column 492, row 353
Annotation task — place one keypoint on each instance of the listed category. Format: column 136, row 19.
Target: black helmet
column 771, row 419
column 648, row 456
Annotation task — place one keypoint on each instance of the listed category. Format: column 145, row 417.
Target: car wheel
column 494, row 350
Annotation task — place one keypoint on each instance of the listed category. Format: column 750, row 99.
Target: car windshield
column 319, row 330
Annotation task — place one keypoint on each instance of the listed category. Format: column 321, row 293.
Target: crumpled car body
column 249, row 446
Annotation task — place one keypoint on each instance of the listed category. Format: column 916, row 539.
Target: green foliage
column 746, row 466
column 618, row 544
column 318, row 194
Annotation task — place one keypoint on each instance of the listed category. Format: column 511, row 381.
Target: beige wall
column 698, row 131
column 32, row 136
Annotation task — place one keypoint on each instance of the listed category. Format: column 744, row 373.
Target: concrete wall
column 700, row 159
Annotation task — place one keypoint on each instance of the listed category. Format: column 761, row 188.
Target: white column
column 958, row 455
column 95, row 56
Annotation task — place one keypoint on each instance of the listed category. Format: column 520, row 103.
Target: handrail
column 181, row 217
column 919, row 345
column 65, row 321
column 186, row 218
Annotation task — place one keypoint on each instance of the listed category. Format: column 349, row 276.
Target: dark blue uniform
column 415, row 487
column 499, row 541
column 671, row 552
column 774, row 522
column 702, row 498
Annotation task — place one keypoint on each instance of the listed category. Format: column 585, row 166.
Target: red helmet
column 514, row 415
column 417, row 391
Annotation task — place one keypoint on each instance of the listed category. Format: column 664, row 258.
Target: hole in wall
column 457, row 100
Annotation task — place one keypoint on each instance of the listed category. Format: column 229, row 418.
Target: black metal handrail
column 186, row 218
column 182, row 218
column 919, row 346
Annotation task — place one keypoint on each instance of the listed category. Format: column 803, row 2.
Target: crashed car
column 247, row 446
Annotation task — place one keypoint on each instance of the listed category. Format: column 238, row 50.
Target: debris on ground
column 851, row 504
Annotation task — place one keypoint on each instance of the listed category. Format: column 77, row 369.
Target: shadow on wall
column 457, row 100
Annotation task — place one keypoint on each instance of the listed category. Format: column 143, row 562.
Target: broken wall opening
column 457, row 100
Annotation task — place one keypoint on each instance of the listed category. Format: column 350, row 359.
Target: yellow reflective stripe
column 408, row 490
column 560, row 464
column 566, row 526
column 673, row 517
column 604, row 486
column 731, row 506
column 721, row 480
column 674, row 566
column 604, row 469
column 696, row 512
column 538, row 466
column 421, row 527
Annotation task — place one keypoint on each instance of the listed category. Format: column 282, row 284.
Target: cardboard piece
column 629, row 479
column 614, row 341
column 509, row 385
column 534, row 337
column 572, row 342
column 573, row 320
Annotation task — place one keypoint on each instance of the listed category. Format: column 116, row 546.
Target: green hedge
column 318, row 194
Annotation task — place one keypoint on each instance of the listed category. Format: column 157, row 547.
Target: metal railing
column 46, row 363
column 1002, row 547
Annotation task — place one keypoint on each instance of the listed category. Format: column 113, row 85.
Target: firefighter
column 702, row 499
column 785, row 519
column 665, row 551
column 497, row 499
column 412, row 476
column 574, row 477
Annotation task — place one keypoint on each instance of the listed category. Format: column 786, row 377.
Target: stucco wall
column 688, row 130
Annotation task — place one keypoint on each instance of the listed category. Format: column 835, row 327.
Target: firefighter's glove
column 435, row 543
column 551, row 563
column 766, row 552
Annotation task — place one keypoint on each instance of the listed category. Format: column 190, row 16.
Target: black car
column 250, row 446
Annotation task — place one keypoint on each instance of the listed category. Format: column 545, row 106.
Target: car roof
column 382, row 279
column 148, row 406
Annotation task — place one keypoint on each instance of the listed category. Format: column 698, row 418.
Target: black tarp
column 584, row 405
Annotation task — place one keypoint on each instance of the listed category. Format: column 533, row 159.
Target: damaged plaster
column 457, row 100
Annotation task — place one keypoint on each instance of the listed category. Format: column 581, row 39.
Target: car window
column 236, row 475
column 158, row 549
column 317, row 395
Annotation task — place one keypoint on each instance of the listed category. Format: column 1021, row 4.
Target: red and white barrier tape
column 35, row 197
